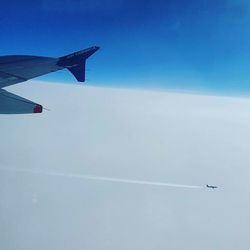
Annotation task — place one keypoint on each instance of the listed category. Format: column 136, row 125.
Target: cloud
column 127, row 134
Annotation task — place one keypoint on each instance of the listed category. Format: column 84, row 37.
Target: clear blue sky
column 176, row 44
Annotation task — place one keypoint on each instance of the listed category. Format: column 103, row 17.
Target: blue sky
column 145, row 135
column 189, row 45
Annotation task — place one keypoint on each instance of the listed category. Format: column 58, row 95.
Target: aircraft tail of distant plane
column 76, row 62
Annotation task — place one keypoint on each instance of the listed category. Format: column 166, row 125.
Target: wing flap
column 14, row 104
column 8, row 79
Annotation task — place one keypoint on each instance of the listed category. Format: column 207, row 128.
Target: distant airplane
column 20, row 68
column 208, row 186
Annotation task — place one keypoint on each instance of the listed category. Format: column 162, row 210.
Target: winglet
column 76, row 62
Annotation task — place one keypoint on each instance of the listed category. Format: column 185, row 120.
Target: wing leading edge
column 20, row 68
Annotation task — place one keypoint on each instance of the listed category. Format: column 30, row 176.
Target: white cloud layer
column 129, row 134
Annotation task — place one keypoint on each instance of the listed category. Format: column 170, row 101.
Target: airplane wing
column 14, row 104
column 20, row 68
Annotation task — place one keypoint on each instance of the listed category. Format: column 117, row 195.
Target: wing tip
column 38, row 108
column 76, row 62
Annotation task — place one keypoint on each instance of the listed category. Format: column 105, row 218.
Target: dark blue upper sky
column 176, row 44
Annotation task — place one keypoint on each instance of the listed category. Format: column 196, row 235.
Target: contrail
column 99, row 178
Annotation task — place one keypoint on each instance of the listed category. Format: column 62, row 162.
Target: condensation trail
column 99, row 178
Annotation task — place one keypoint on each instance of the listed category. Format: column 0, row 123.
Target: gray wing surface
column 20, row 68
column 14, row 104
column 16, row 69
